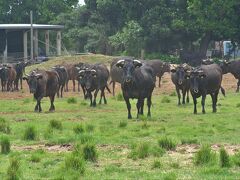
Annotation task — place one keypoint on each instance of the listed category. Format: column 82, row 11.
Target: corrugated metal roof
column 28, row 26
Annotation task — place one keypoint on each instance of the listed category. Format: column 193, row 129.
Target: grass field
column 125, row 149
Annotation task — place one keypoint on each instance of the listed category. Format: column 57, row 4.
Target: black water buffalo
column 204, row 80
column 4, row 77
column 43, row 84
column 11, row 77
column 159, row 68
column 72, row 75
column 95, row 78
column 20, row 70
column 138, row 81
column 207, row 61
column 232, row 67
column 178, row 77
column 63, row 78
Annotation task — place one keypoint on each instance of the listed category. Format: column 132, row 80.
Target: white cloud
column 81, row 2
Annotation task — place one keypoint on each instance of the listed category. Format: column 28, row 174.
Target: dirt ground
column 229, row 84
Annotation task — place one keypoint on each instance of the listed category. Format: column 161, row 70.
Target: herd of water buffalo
column 137, row 79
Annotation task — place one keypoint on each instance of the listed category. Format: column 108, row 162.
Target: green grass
column 205, row 156
column 167, row 143
column 30, row 133
column 5, row 145
column 113, row 143
column 224, row 158
column 54, row 124
column 4, row 126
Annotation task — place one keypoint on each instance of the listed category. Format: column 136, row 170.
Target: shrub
column 75, row 162
column 89, row 152
column 165, row 99
column 78, row 129
column 89, row 128
column 5, row 145
column 30, row 133
column 13, row 171
column 4, row 126
column 54, row 124
column 204, row 156
column 236, row 159
column 167, row 143
column 224, row 158
column 72, row 100
column 123, row 124
column 119, row 97
column 156, row 164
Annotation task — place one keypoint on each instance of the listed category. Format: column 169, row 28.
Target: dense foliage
column 127, row 27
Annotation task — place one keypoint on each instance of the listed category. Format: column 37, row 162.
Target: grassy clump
column 238, row 105
column 30, row 133
column 4, row 126
column 156, row 164
column 236, row 159
column 72, row 100
column 170, row 176
column 89, row 152
column 119, row 97
column 89, row 128
column 13, row 171
column 86, row 138
column 157, row 151
column 123, row 124
column 140, row 151
column 75, row 162
column 167, row 143
column 35, row 158
column 78, row 129
column 5, row 145
column 224, row 158
column 54, row 124
column 165, row 99
column 204, row 156
column 189, row 141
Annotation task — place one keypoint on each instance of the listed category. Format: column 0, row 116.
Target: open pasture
column 126, row 149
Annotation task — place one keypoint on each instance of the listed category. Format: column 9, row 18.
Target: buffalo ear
column 25, row 78
column 202, row 75
column 173, row 70
column 187, row 76
column 39, row 77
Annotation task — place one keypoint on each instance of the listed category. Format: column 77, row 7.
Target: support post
column 5, row 53
column 31, row 21
column 47, row 42
column 59, row 43
column 25, row 52
column 35, row 43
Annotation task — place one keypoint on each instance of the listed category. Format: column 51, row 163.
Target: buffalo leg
column 195, row 105
column 78, row 86
column 184, row 94
column 149, row 103
column 21, row 82
column 66, row 86
column 73, row 85
column 159, row 81
column 179, row 96
column 138, row 107
column 203, row 103
column 38, row 107
column 100, row 100
column 95, row 96
column 214, row 101
column 128, row 107
column 62, row 90
column 187, row 96
column 84, row 92
column 142, row 105
column 52, row 107
column 113, row 87
column 90, row 97
column 238, row 84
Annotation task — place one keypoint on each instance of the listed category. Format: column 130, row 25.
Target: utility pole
column 31, row 21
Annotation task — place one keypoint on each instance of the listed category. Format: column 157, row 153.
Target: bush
column 89, row 152
column 165, row 99
column 72, row 100
column 4, row 126
column 236, row 159
column 123, row 124
column 89, row 128
column 13, row 171
column 167, row 143
column 54, row 124
column 30, row 133
column 119, row 97
column 78, row 129
column 204, row 156
column 5, row 145
column 224, row 158
column 75, row 162
column 156, row 164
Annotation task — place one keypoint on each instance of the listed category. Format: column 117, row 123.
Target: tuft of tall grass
column 4, row 126
column 140, row 151
column 123, row 124
column 75, row 162
column 13, row 171
column 5, row 145
column 167, row 143
column 30, row 133
column 156, row 164
column 119, row 97
column 236, row 159
column 89, row 152
column 224, row 158
column 78, row 129
column 72, row 100
column 54, row 124
column 205, row 156
column 89, row 128
column 165, row 99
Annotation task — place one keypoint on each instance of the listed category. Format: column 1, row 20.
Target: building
column 15, row 41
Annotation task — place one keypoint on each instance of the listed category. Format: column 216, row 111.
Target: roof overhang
column 28, row 26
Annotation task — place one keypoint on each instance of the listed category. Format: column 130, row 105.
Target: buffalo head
column 181, row 72
column 32, row 81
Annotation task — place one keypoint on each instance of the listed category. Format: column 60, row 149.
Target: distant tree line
column 127, row 27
